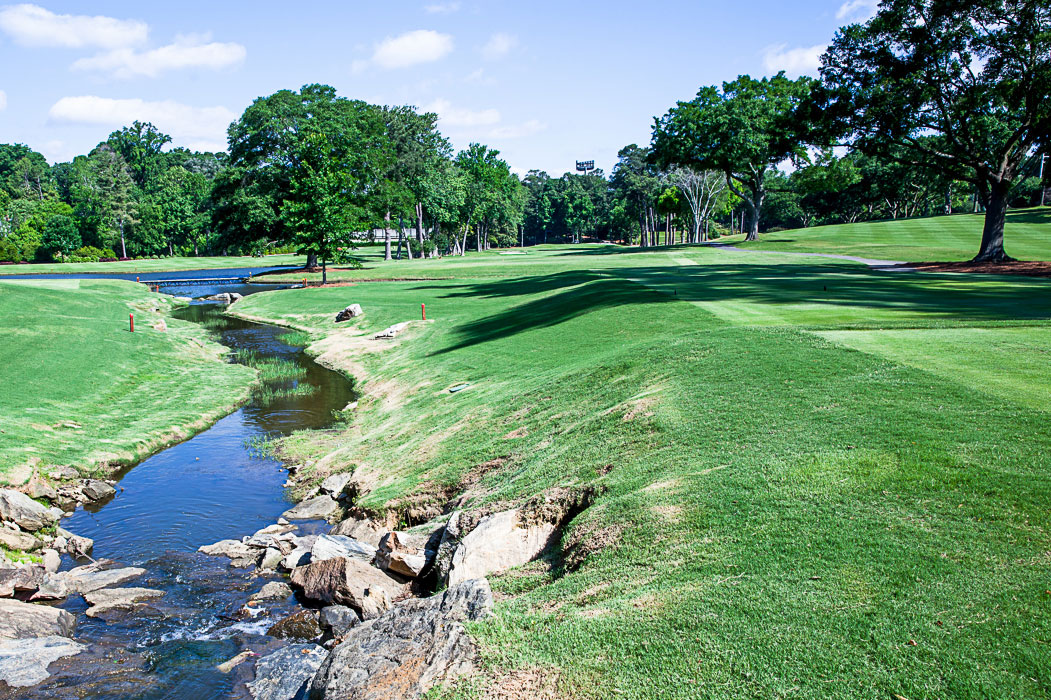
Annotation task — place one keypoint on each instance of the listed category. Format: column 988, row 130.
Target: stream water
column 214, row 486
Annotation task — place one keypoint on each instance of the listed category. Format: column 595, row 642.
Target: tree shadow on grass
column 568, row 295
column 1040, row 215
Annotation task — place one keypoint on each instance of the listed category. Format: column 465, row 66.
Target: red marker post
column 131, row 322
column 423, row 310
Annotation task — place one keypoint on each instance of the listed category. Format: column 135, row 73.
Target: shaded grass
column 78, row 388
column 783, row 514
column 159, row 265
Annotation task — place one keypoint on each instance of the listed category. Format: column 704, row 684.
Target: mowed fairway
column 1027, row 236
column 76, row 387
column 814, row 479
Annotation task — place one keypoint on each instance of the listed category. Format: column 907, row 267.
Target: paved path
column 873, row 263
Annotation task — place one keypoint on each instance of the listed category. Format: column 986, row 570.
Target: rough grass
column 795, row 503
column 77, row 388
column 938, row 238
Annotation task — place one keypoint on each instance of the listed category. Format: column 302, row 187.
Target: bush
column 85, row 254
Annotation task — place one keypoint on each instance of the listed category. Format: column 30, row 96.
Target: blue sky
column 544, row 82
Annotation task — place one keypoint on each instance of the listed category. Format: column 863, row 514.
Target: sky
column 545, row 83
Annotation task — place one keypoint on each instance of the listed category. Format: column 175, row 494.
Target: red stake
column 423, row 310
column 131, row 322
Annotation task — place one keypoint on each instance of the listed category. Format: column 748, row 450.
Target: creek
column 216, row 485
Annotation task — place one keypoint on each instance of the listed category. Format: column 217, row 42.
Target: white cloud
column 454, row 117
column 32, row 25
column 185, row 52
column 857, row 10
column 794, row 62
column 478, row 77
column 499, row 45
column 411, row 48
column 3, row 100
column 517, row 131
column 203, row 128
column 442, row 8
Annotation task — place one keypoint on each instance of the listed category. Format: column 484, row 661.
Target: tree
column 742, row 130
column 113, row 190
column 636, row 184
column 957, row 86
column 140, row 145
column 703, row 191
column 60, row 235
column 490, row 193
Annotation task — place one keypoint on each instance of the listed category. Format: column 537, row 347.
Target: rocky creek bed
column 193, row 577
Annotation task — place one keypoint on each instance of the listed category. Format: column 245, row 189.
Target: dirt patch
column 662, row 485
column 589, row 539
column 433, row 499
column 519, row 433
column 525, row 684
column 671, row 513
column 1030, row 268
column 558, row 505
column 640, row 408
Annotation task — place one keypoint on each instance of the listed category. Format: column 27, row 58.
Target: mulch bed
column 1034, row 268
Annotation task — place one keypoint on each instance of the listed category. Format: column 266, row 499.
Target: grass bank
column 174, row 264
column 937, row 238
column 817, row 480
column 78, row 388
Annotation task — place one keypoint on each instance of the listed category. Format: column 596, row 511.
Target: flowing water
column 214, row 486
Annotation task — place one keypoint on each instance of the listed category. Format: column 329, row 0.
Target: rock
column 317, row 508
column 331, row 546
column 222, row 298
column 20, row 620
column 336, row 485
column 79, row 547
column 338, row 620
column 54, row 587
column 108, row 599
column 85, row 579
column 24, row 662
column 271, row 559
column 450, row 540
column 97, row 490
column 360, row 529
column 42, row 489
column 302, row 625
column 300, row 556
column 22, row 580
column 6, row 563
column 62, row 472
column 352, row 311
column 499, row 542
column 17, row 540
column 274, row 590
column 20, row 509
column 52, row 560
column 160, row 326
column 240, row 554
column 283, row 674
column 396, row 555
column 349, row 582
column 231, row 664
column 412, row 648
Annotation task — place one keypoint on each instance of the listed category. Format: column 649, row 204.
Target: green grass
column 823, row 480
column 271, row 368
column 79, row 389
column 1027, row 236
column 159, row 265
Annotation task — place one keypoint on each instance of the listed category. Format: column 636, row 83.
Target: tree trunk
column 311, row 261
column 755, row 207
column 324, row 273
column 386, row 237
column 419, row 226
column 123, row 250
column 992, row 249
column 478, row 237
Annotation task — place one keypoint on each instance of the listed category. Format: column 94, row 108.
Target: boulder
column 452, row 534
column 317, row 508
column 79, row 547
column 336, row 485
column 361, row 529
column 274, row 590
column 54, row 587
column 97, row 490
column 18, row 540
column 350, row 582
column 62, row 472
column 499, row 542
column 300, row 556
column 338, row 620
column 271, row 559
column 93, row 577
column 397, row 555
column 20, row 509
column 24, row 662
column 412, row 648
column 352, row 311
column 41, row 489
column 240, row 554
column 283, row 674
column 331, row 546
column 107, row 599
column 21, row 581
column 51, row 560
column 20, row 620
column 301, row 625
